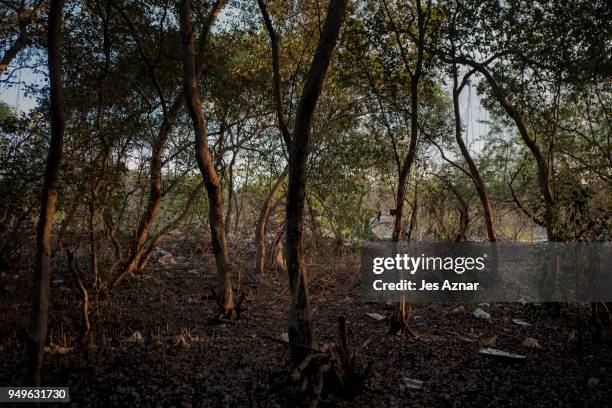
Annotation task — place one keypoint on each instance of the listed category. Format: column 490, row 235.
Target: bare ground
column 187, row 359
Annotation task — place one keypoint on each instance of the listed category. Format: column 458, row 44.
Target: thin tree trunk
column 85, row 325
column 240, row 205
column 155, row 192
column 225, row 298
column 400, row 317
column 487, row 209
column 262, row 224
column 414, row 214
column 230, row 193
column 464, row 211
column 66, row 222
column 144, row 259
column 155, row 196
column 39, row 318
column 23, row 39
column 414, row 117
column 300, row 320
column 517, row 117
column 93, row 248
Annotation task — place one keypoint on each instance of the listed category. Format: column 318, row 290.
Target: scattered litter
column 521, row 322
column 500, row 353
column 410, row 383
column 344, row 301
column 458, row 310
column 167, row 260
column 164, row 257
column 376, row 316
column 55, row 349
column 284, row 337
column 180, row 340
column 592, row 382
column 460, row 337
column 481, row 314
column 532, row 343
column 490, row 341
column 136, row 337
column 572, row 341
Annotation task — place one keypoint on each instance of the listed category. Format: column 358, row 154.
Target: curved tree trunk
column 155, row 191
column 155, row 196
column 40, row 308
column 300, row 320
column 476, row 178
column 24, row 19
column 224, row 293
column 262, row 224
column 146, row 254
column 517, row 116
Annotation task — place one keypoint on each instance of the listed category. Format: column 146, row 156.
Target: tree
column 298, row 146
column 224, row 293
column 40, row 308
column 23, row 18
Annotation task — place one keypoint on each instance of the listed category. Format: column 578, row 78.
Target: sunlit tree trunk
column 224, row 293
column 40, row 308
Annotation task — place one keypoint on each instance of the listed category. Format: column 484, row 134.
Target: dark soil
column 188, row 359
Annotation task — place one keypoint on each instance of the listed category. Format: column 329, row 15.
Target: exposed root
column 332, row 372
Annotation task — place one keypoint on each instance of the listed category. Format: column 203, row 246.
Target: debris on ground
column 481, row 314
column 135, row 338
column 376, row 316
column 521, row 322
column 501, row 354
column 410, row 383
column 532, row 343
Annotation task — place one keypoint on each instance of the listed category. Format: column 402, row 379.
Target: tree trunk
column 476, row 178
column 85, row 325
column 93, row 247
column 224, row 293
column 262, row 224
column 40, row 307
column 146, row 255
column 414, row 214
column 300, row 320
column 400, row 318
column 230, row 193
column 517, row 117
column 155, row 196
column 66, row 222
column 155, row 193
column 24, row 19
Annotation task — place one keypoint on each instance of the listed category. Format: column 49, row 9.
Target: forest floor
column 187, row 359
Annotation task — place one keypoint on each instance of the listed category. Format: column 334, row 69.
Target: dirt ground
column 186, row 359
